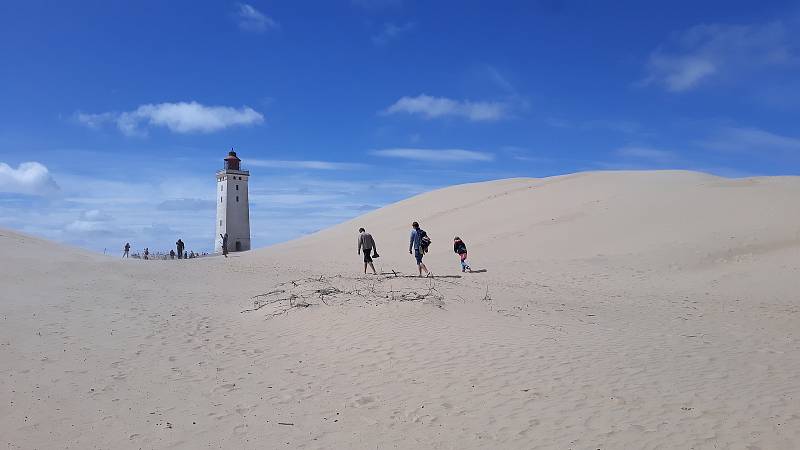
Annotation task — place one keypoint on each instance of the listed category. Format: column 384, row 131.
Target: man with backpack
column 418, row 246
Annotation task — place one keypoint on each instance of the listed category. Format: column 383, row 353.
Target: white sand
column 631, row 310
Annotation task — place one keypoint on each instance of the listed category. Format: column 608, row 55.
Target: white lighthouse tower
column 233, row 209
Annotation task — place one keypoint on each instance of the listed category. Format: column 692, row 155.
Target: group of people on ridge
column 418, row 245
column 179, row 246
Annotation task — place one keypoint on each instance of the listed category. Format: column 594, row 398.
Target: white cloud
column 96, row 215
column 682, row 73
column 308, row 165
column 28, row 178
column 85, row 226
column 97, row 212
column 182, row 117
column 705, row 52
column 751, row 140
column 647, row 153
column 428, row 155
column 391, row 31
column 91, row 221
column 436, row 107
column 94, row 120
column 253, row 20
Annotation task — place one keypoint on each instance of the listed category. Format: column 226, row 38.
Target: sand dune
column 618, row 310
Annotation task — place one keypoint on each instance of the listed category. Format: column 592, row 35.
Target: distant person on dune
column 179, row 246
column 127, row 248
column 146, row 253
column 172, row 254
column 461, row 250
column 418, row 246
column 224, row 244
column 367, row 244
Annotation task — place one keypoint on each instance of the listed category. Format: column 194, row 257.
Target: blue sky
column 115, row 115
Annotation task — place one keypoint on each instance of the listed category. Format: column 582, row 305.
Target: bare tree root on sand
column 340, row 290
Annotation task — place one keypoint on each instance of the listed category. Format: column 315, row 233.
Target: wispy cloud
column 436, row 107
column 706, row 52
column 31, row 178
column 252, row 20
column 391, row 31
column 500, row 80
column 95, row 211
column 751, row 140
column 308, row 165
column 186, row 204
column 648, row 154
column 429, row 155
column 525, row 155
column 615, row 125
column 182, row 117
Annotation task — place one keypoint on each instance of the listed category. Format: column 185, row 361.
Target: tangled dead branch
column 340, row 290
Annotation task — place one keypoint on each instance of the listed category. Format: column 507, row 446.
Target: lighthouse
column 233, row 208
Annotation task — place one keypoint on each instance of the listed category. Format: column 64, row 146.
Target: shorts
column 418, row 255
column 367, row 257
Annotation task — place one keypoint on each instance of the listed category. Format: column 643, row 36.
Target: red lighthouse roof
column 232, row 161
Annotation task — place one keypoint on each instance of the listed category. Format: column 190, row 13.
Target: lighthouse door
column 238, row 246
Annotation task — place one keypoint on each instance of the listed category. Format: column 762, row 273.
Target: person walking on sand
column 417, row 247
column 461, row 250
column 224, row 244
column 367, row 244
column 127, row 248
column 179, row 246
column 146, row 253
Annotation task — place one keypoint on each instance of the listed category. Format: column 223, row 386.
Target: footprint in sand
column 225, row 388
column 361, row 401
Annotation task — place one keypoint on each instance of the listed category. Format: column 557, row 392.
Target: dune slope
column 617, row 310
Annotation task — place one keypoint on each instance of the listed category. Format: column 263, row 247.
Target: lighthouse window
column 237, row 187
column 237, row 198
column 220, row 223
column 220, row 188
column 220, row 199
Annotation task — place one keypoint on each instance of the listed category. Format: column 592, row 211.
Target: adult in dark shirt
column 180, row 246
column 416, row 247
column 224, row 244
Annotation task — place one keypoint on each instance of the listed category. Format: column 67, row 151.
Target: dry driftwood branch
column 276, row 291
column 331, row 291
column 486, row 297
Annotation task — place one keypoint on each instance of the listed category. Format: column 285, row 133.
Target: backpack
column 424, row 240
